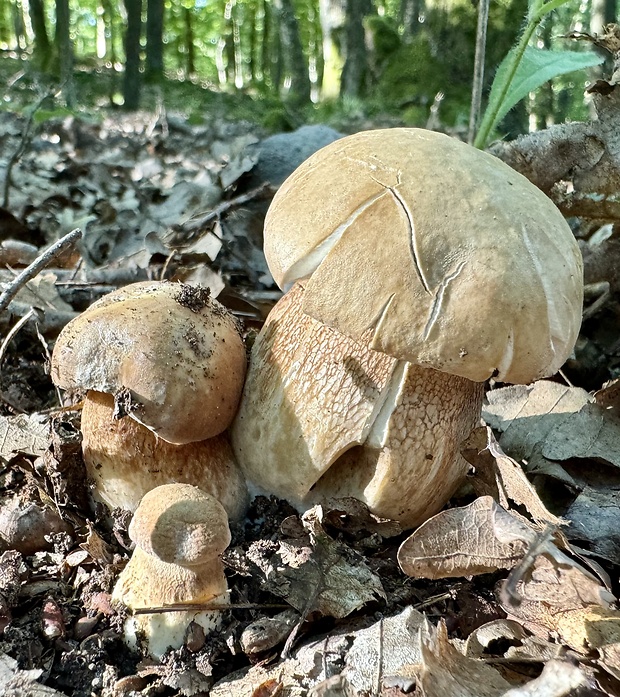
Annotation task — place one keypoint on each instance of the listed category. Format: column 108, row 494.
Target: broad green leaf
column 537, row 66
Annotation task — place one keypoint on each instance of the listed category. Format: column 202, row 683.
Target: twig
column 18, row 325
column 215, row 213
column 208, row 607
column 476, row 90
column 37, row 265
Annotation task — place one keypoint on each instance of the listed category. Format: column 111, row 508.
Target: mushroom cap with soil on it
column 180, row 533
column 426, row 267
column 170, row 359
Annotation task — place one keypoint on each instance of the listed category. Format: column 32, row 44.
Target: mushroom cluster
column 419, row 268
column 164, row 366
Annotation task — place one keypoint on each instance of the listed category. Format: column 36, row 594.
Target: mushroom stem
column 124, row 460
column 323, row 415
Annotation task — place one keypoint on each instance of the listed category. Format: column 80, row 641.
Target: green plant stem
column 535, row 17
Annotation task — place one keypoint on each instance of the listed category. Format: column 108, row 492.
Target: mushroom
column 180, row 533
column 170, row 360
column 424, row 267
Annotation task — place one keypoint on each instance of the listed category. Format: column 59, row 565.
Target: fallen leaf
column 595, row 518
column 24, row 433
column 474, row 539
column 325, row 576
column 15, row 682
column 501, row 477
column 549, row 421
column 446, row 672
column 557, row 679
column 504, row 631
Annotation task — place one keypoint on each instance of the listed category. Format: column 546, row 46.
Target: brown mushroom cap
column 452, row 259
column 170, row 353
column 180, row 524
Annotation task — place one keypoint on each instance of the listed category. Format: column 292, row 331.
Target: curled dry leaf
column 594, row 515
column 474, row 539
column 501, row 477
column 445, row 672
column 558, row 678
column 479, row 641
column 326, row 577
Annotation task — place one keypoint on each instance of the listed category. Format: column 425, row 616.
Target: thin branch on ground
column 18, row 325
column 37, row 265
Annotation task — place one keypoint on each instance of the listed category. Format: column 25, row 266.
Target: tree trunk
column 131, row 84
column 355, row 66
column 190, row 66
column 42, row 47
column 108, row 19
column 409, row 13
column 295, row 63
column 64, row 48
column 154, row 65
column 332, row 16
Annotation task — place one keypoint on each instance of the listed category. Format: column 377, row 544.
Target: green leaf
column 537, row 66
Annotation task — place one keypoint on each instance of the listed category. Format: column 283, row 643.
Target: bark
column 42, row 47
column 355, row 68
column 131, row 84
column 154, row 40
column 332, row 17
column 295, row 63
column 64, row 47
column 190, row 66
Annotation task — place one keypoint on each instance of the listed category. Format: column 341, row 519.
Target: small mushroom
column 164, row 366
column 423, row 267
column 180, row 533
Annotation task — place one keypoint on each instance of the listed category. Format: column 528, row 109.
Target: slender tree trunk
column 190, row 66
column 64, row 48
column 332, row 17
column 131, row 84
column 355, row 66
column 295, row 63
column 18, row 24
column 154, row 63
column 42, row 46
column 108, row 20
column 409, row 13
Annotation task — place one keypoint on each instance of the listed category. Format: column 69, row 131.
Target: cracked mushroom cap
column 172, row 356
column 452, row 259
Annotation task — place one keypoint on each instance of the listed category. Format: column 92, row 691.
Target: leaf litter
column 528, row 549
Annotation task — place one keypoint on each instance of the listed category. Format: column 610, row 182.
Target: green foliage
column 526, row 68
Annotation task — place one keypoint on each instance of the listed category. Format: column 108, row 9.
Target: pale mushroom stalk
column 164, row 366
column 325, row 416
column 180, row 533
column 428, row 267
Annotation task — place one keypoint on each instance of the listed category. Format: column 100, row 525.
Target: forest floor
column 160, row 198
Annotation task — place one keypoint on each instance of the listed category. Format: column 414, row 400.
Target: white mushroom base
column 324, row 416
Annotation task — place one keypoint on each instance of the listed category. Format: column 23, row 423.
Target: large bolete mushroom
column 164, row 365
column 426, row 268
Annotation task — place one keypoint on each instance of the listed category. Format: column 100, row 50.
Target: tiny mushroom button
column 418, row 268
column 180, row 533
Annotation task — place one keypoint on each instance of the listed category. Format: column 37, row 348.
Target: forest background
column 281, row 63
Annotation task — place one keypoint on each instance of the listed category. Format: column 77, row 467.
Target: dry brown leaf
column 501, row 477
column 474, row 539
column 595, row 516
column 445, row 672
column 504, row 630
column 14, row 682
column 565, row 600
column 609, row 659
column 558, row 678
column 326, row 576
column 549, row 421
column 24, row 433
